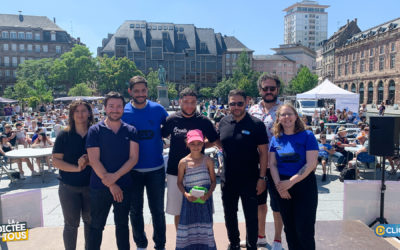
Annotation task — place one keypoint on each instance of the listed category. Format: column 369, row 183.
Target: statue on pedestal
column 161, row 75
column 162, row 89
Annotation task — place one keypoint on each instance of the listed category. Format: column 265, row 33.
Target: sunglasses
column 239, row 104
column 272, row 89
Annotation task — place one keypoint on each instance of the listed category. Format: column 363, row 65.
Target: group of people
column 266, row 149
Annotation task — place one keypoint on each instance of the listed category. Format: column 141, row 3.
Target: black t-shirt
column 239, row 142
column 72, row 145
column 177, row 126
column 12, row 141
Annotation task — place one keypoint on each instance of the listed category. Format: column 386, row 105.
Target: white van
column 307, row 107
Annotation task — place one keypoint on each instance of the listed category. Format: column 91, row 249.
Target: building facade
column 190, row 55
column 25, row 37
column 326, row 64
column 298, row 53
column 279, row 65
column 306, row 23
column 369, row 64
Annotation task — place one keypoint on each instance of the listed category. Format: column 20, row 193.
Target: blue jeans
column 100, row 203
column 154, row 181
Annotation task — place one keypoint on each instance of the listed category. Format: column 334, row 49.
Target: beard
column 136, row 101
column 275, row 97
column 188, row 114
column 114, row 119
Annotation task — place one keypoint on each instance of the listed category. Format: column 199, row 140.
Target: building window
column 370, row 93
column 14, row 61
column 392, row 89
column 353, row 67
column 37, row 36
column 53, row 36
column 22, row 47
column 165, row 35
column 362, row 66
column 380, row 92
column 4, row 35
column 227, row 56
column 362, row 54
column 392, row 61
column 13, row 35
column 21, row 35
column 13, row 47
column 340, row 59
column 21, row 59
column 58, row 49
column 29, row 47
column 181, row 36
column 393, row 47
column 371, row 64
column 382, row 49
column 138, row 33
column 361, row 91
column 45, row 48
column 339, row 70
column 14, row 73
column 28, row 35
column 347, row 58
column 381, row 62
column 7, row 73
column 371, row 52
column 6, row 61
column 5, row 47
column 346, row 69
column 203, row 46
column 37, row 48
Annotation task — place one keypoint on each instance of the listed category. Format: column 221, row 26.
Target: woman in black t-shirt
column 70, row 156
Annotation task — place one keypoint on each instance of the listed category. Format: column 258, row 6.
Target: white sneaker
column 141, row 248
column 243, row 244
column 276, row 246
column 35, row 173
column 262, row 241
column 21, row 176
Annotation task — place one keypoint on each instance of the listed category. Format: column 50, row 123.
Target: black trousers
column 230, row 200
column 299, row 213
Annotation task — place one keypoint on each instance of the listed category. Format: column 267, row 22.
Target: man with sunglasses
column 244, row 142
column 265, row 110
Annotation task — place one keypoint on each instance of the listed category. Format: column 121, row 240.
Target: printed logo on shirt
column 178, row 131
column 145, row 134
column 245, row 132
column 290, row 157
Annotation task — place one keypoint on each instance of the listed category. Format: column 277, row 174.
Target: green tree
column 32, row 70
column 244, row 77
column 172, row 92
column 81, row 89
column 152, row 83
column 207, row 92
column 303, row 81
column 114, row 74
column 223, row 88
column 39, row 94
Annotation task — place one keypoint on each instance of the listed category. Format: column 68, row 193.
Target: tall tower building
column 306, row 23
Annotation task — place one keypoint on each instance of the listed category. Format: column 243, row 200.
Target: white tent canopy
column 327, row 90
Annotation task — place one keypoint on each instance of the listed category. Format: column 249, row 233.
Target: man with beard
column 147, row 117
column 244, row 142
column 268, row 87
column 113, row 151
column 176, row 126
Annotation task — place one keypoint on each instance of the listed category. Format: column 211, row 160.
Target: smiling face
column 287, row 118
column 237, row 105
column 139, row 93
column 114, row 109
column 269, row 91
column 81, row 114
column 195, row 146
column 188, row 105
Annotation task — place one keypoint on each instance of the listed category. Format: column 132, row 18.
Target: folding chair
column 12, row 174
column 366, row 159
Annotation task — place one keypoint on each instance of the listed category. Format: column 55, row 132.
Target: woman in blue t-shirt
column 292, row 160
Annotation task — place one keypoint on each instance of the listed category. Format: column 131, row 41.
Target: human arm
column 59, row 163
column 210, row 167
column 272, row 163
column 263, row 159
column 181, row 174
column 110, row 178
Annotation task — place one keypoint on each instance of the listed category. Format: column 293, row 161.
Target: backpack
column 347, row 174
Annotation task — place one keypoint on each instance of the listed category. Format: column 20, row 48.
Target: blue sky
column 256, row 23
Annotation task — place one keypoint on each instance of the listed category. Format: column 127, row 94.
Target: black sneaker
column 231, row 247
column 323, row 177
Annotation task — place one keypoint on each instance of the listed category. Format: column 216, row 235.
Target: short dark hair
column 237, row 92
column 266, row 76
column 187, row 92
column 136, row 80
column 114, row 95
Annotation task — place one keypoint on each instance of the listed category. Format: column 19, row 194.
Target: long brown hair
column 298, row 125
column 72, row 108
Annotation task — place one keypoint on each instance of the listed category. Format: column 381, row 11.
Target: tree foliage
column 172, row 92
column 207, row 92
column 303, row 81
column 223, row 88
column 81, row 89
column 152, row 83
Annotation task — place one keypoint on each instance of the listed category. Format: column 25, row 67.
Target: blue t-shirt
column 148, row 123
column 290, row 151
column 114, row 150
column 321, row 151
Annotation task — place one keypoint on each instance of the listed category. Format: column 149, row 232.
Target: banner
column 348, row 104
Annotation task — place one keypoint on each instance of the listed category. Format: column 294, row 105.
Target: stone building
column 190, row 55
column 25, row 37
column 369, row 65
column 282, row 66
column 302, row 55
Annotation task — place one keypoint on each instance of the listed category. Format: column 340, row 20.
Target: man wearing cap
column 147, row 117
column 340, row 143
column 265, row 110
column 321, row 129
column 244, row 142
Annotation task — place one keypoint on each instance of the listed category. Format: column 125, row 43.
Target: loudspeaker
column 384, row 135
column 320, row 103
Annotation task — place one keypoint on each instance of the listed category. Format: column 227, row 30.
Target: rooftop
column 25, row 21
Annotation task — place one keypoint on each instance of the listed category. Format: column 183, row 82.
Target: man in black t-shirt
column 244, row 141
column 176, row 126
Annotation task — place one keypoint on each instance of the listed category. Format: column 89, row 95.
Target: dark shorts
column 273, row 194
column 320, row 158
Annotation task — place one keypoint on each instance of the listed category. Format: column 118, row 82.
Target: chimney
column 54, row 19
column 21, row 17
column 348, row 21
column 355, row 20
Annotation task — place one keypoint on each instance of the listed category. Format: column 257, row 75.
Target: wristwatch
column 265, row 178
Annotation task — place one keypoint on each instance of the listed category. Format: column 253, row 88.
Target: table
column 329, row 137
column 30, row 153
column 353, row 150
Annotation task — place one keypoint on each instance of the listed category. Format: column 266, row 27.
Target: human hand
column 261, row 185
column 82, row 162
column 109, row 179
column 285, row 195
column 284, row 185
column 206, row 196
column 190, row 197
column 116, row 192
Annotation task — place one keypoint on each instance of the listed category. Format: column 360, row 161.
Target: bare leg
column 29, row 163
column 262, row 215
column 19, row 162
column 278, row 223
column 176, row 220
column 323, row 162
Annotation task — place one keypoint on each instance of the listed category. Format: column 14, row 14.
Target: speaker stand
column 381, row 219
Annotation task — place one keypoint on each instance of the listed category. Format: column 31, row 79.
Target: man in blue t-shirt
column 149, row 172
column 325, row 149
column 113, row 151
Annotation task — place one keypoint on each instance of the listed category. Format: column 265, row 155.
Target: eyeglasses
column 239, row 104
column 270, row 88
column 286, row 114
